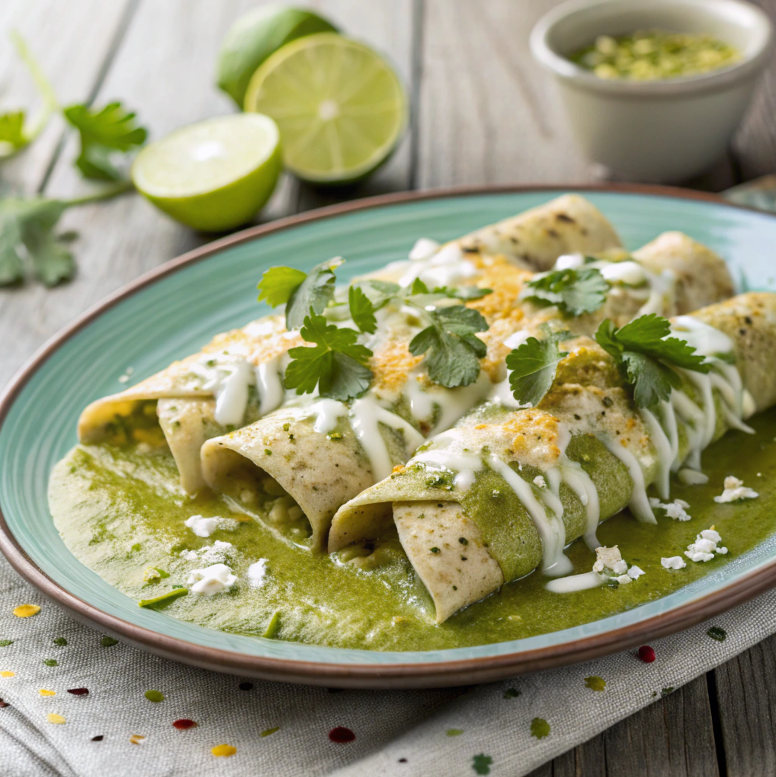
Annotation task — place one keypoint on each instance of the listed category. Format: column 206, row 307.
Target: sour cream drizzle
column 551, row 529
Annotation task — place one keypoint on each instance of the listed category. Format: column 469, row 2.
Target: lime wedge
column 214, row 175
column 255, row 36
column 340, row 107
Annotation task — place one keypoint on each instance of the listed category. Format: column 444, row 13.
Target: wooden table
column 482, row 113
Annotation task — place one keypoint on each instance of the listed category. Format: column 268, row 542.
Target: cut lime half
column 340, row 107
column 214, row 175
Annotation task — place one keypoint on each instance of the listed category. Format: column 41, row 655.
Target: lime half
column 214, row 175
column 340, row 107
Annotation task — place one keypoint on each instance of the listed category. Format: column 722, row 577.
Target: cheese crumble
column 676, row 509
column 706, row 544
column 610, row 563
column 735, row 490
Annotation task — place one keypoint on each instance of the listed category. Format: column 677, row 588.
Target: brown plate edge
column 414, row 675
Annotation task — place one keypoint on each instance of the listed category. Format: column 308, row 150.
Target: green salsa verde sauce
column 653, row 55
column 122, row 513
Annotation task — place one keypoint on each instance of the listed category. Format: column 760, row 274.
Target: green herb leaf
column 104, row 133
column 574, row 292
column 273, row 627
column 163, row 598
column 278, row 284
column 362, row 311
column 108, row 642
column 26, row 231
column 452, row 350
column 302, row 292
column 717, row 633
column 646, row 354
column 50, row 662
column 532, row 367
column 380, row 292
column 481, row 764
column 15, row 131
column 336, row 365
column 540, row 728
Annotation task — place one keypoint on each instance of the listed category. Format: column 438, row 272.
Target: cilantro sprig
column 16, row 131
column 647, row 356
column 448, row 339
column 453, row 351
column 28, row 236
column 104, row 133
column 336, row 364
column 532, row 367
column 300, row 292
column 573, row 291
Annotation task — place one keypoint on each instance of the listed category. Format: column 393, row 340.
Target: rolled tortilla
column 326, row 453
column 503, row 492
column 179, row 406
column 189, row 403
column 536, row 238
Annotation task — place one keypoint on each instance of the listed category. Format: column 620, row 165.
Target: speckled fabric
column 464, row 731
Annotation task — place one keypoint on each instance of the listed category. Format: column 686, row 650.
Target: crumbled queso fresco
column 609, row 562
column 540, row 482
column 735, row 490
column 676, row 509
column 211, row 580
column 204, row 527
column 706, row 544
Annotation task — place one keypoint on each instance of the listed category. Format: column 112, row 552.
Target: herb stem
column 102, row 194
column 50, row 103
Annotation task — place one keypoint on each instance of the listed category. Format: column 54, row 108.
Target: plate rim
column 365, row 675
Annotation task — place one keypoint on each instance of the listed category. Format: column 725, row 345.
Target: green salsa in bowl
column 654, row 89
column 651, row 55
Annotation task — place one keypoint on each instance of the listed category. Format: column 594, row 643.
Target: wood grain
column 71, row 48
column 746, row 705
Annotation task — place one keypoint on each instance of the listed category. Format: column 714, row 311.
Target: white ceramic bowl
column 668, row 130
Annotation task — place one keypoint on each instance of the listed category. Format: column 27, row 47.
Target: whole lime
column 214, row 175
column 255, row 36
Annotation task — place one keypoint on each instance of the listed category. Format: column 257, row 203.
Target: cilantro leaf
column 646, row 354
column 573, row 291
column 336, row 364
column 380, row 292
column 103, row 133
column 278, row 284
column 362, row 311
column 532, row 367
column 15, row 131
column 12, row 132
column 452, row 350
column 302, row 292
column 26, row 231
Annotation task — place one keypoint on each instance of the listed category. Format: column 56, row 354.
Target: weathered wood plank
column 755, row 143
column 746, row 706
column 71, row 47
column 487, row 112
column 674, row 736
column 389, row 27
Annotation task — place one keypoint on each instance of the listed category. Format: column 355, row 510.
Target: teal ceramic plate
column 172, row 311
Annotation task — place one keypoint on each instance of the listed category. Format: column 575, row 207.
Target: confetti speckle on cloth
column 540, row 728
column 45, row 692
column 7, row 673
column 26, row 610
column 223, row 751
column 108, row 642
column 481, row 763
column 52, row 717
column 184, row 723
column 341, row 735
column 595, row 683
column 136, row 739
column 270, row 731
column 154, row 696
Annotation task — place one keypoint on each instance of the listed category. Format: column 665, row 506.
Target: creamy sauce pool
column 122, row 513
